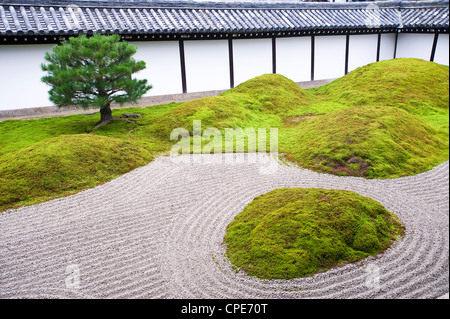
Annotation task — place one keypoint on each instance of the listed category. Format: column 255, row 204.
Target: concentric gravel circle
column 157, row 232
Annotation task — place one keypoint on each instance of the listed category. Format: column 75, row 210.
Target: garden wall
column 187, row 66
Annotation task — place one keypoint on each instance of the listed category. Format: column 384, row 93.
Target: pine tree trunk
column 106, row 114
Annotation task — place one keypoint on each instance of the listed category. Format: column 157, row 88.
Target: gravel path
column 157, row 232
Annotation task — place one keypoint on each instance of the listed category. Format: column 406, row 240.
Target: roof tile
column 53, row 16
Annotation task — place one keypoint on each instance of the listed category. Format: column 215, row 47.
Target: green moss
column 370, row 141
column 348, row 127
column 217, row 111
column 256, row 103
column 417, row 86
column 63, row 165
column 366, row 239
column 16, row 134
column 295, row 232
column 274, row 92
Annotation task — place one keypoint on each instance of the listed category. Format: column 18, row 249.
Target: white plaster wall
column 387, row 46
column 163, row 69
column 362, row 50
column 294, row 58
column 20, row 76
column 207, row 65
column 442, row 48
column 329, row 57
column 252, row 57
column 415, row 45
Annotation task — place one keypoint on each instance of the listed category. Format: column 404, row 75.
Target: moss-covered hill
column 295, row 232
column 258, row 102
column 415, row 85
column 369, row 141
column 383, row 120
column 276, row 93
column 63, row 165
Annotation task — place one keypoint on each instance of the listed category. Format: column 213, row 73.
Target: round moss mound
column 368, row 141
column 296, row 232
column 254, row 103
column 275, row 92
column 411, row 84
column 63, row 165
column 216, row 111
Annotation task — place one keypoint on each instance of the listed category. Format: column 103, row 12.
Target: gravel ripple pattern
column 157, row 232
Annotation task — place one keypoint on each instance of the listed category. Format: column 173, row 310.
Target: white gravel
column 157, row 232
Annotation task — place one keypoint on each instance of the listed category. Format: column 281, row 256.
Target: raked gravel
column 157, row 232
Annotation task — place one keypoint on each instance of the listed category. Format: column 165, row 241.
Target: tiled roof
column 25, row 17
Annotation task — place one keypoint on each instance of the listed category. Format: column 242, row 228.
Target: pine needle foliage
column 94, row 72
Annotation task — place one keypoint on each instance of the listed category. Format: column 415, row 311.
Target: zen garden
column 357, row 159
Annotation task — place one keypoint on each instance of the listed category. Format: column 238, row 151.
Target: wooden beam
column 395, row 45
column 312, row 56
column 274, row 55
column 347, row 45
column 378, row 46
column 183, row 66
column 231, row 62
column 433, row 49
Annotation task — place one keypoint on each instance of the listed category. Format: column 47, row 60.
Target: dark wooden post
column 347, row 45
column 231, row 62
column 433, row 49
column 312, row 56
column 274, row 55
column 183, row 66
column 378, row 46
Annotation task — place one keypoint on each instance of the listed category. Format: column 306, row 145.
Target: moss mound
column 415, row 85
column 352, row 126
column 216, row 111
column 275, row 92
column 295, row 232
column 370, row 141
column 254, row 103
column 63, row 165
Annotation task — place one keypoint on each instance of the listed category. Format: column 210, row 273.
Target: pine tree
column 94, row 72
